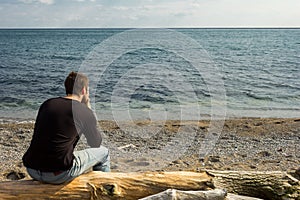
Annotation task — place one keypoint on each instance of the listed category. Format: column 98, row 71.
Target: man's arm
column 93, row 137
column 91, row 131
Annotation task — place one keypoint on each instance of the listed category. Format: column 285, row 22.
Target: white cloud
column 48, row 2
column 149, row 13
column 122, row 8
column 26, row 1
column 85, row 0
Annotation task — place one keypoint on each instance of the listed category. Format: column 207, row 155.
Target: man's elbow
column 95, row 143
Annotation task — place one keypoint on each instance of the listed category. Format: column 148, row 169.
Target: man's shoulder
column 53, row 99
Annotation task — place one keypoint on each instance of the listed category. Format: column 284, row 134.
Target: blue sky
column 149, row 13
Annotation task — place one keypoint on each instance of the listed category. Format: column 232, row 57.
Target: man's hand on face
column 86, row 99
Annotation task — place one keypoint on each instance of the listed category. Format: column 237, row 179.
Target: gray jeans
column 93, row 158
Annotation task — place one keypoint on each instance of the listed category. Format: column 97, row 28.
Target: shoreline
column 203, row 117
column 259, row 144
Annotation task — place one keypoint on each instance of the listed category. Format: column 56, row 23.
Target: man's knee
column 104, row 150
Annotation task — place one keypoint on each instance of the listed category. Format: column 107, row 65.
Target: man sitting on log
column 60, row 122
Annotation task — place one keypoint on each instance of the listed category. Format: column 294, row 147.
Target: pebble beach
column 258, row 144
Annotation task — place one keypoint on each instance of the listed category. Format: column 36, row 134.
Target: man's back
column 59, row 123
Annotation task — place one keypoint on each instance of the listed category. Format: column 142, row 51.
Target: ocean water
column 258, row 68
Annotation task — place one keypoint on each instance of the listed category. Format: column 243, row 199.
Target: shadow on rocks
column 14, row 175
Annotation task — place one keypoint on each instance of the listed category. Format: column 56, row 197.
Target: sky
column 148, row 13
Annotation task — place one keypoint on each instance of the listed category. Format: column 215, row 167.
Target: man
column 60, row 122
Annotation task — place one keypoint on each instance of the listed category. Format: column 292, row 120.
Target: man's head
column 75, row 83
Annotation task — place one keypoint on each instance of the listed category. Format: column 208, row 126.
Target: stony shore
column 259, row 144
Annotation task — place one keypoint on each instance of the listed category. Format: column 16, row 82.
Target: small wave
column 254, row 96
column 12, row 100
column 283, row 85
column 233, row 48
column 262, row 108
column 152, row 98
column 295, row 98
column 65, row 57
column 202, row 93
column 16, row 121
column 16, row 102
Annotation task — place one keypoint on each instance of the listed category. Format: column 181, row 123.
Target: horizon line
column 207, row 27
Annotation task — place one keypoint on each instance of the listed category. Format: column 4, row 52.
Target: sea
column 155, row 73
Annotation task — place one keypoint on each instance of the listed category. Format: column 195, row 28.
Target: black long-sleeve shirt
column 58, row 127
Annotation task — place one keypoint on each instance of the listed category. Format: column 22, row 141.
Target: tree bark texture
column 100, row 185
column 271, row 185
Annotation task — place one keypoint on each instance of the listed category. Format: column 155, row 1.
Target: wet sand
column 257, row 144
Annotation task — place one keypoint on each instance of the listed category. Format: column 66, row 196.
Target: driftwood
column 231, row 196
column 100, row 185
column 261, row 184
column 171, row 194
column 216, row 194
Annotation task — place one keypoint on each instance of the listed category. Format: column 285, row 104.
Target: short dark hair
column 75, row 82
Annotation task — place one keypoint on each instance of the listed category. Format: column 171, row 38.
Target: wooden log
column 170, row 194
column 271, row 185
column 216, row 194
column 100, row 185
column 231, row 196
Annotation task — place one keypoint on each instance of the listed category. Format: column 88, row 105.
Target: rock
column 252, row 166
column 247, row 126
column 20, row 131
column 141, row 163
column 177, row 162
column 295, row 173
column 258, row 124
column 264, row 154
column 298, row 171
column 214, row 158
column 127, row 147
column 13, row 175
